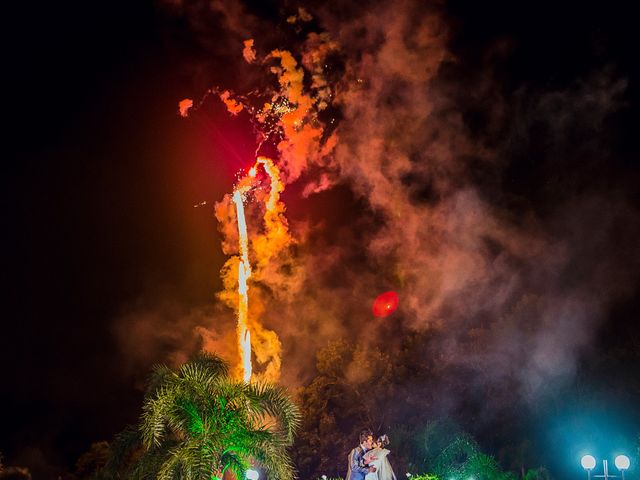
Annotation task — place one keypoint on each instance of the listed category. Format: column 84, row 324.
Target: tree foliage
column 197, row 422
column 92, row 461
column 400, row 395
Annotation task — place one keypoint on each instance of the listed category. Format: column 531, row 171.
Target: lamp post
column 588, row 462
column 622, row 463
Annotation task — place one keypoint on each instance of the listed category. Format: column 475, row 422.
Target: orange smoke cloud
column 248, row 52
column 301, row 131
column 184, row 106
column 234, row 107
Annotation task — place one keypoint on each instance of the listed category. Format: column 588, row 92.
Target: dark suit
column 357, row 469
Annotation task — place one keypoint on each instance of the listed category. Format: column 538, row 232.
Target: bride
column 378, row 458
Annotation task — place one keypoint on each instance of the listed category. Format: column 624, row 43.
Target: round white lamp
column 588, row 462
column 252, row 474
column 622, row 462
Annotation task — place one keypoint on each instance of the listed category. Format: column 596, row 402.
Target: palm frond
column 210, row 362
column 157, row 414
column 193, row 419
column 270, row 452
column 160, row 376
column 236, row 463
column 190, row 459
column 274, row 400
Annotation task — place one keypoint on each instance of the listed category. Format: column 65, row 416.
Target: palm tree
column 198, row 423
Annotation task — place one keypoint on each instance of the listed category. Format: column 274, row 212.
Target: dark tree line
column 422, row 403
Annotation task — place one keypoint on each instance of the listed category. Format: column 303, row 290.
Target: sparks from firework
column 275, row 229
column 244, row 272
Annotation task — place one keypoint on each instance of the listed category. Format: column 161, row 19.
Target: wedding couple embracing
column 368, row 461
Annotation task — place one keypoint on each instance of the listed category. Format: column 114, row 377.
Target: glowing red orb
column 385, row 304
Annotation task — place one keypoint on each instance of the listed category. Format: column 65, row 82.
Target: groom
column 357, row 468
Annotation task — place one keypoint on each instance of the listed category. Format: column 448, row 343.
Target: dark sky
column 97, row 212
column 101, row 176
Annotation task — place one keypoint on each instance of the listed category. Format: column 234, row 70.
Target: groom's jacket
column 357, row 469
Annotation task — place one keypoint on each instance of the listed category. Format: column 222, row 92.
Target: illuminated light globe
column 588, row 462
column 252, row 474
column 385, row 304
column 622, row 462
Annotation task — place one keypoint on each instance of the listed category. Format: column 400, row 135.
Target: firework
column 273, row 239
column 244, row 272
column 261, row 256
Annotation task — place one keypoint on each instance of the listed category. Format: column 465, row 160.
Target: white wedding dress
column 383, row 467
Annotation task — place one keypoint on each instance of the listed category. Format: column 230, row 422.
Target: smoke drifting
column 371, row 114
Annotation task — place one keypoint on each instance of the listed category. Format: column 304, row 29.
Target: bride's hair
column 383, row 440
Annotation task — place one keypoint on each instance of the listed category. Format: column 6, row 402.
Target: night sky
column 102, row 174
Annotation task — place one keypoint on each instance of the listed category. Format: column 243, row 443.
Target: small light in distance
column 252, row 474
column 622, row 462
column 588, row 462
